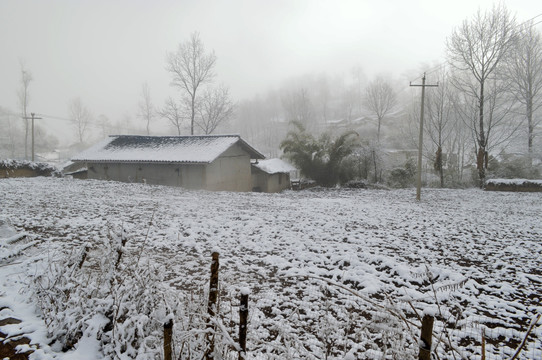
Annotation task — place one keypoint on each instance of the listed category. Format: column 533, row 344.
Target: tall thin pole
column 32, row 117
column 32, row 114
column 420, row 142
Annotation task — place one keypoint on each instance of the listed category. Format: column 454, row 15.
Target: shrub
column 92, row 292
column 513, row 168
column 403, row 177
column 320, row 159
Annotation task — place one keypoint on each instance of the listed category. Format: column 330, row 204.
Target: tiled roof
column 164, row 149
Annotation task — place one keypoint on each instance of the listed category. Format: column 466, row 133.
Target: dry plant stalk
column 522, row 345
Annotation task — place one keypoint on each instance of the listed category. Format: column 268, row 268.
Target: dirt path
column 8, row 345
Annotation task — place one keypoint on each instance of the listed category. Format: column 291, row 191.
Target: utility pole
column 420, row 141
column 33, row 117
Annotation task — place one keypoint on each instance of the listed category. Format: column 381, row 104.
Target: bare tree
column 461, row 140
column 439, row 124
column 24, row 99
column 146, row 108
column 172, row 111
column 324, row 95
column 349, row 100
column 11, row 138
column 525, row 74
column 123, row 125
column 214, row 109
column 104, row 124
column 191, row 67
column 298, row 106
column 359, row 80
column 380, row 98
column 478, row 49
column 81, row 118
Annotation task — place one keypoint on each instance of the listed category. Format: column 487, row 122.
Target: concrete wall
column 230, row 172
column 259, row 180
column 278, row 182
column 187, row 176
column 269, row 183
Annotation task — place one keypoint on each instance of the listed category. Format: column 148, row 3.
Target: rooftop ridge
column 179, row 136
column 147, row 148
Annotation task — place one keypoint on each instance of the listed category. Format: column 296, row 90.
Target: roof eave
column 142, row 161
column 257, row 155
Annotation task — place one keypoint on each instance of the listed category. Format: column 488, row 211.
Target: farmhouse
column 210, row 162
column 271, row 175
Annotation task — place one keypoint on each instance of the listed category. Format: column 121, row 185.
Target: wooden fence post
column 425, row 338
column 483, row 344
column 168, row 332
column 243, row 316
column 211, row 307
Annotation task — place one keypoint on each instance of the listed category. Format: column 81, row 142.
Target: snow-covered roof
column 164, row 149
column 274, row 166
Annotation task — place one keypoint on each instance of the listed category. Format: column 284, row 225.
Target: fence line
column 321, row 319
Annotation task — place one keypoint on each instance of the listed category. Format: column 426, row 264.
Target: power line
column 91, row 124
column 526, row 21
column 33, row 117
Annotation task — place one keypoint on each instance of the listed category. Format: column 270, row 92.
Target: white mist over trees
column 525, row 77
column 485, row 112
column 489, row 89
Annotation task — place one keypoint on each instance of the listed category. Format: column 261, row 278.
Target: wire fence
column 303, row 317
column 324, row 321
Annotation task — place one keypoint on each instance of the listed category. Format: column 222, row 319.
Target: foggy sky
column 102, row 50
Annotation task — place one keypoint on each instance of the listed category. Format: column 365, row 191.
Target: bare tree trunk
column 530, row 125
column 374, row 161
column 25, row 137
column 481, row 139
column 378, row 131
column 193, row 114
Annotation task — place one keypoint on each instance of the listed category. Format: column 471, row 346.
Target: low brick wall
column 518, row 185
column 14, row 169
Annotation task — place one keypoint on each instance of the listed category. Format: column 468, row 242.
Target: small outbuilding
column 209, row 162
column 272, row 175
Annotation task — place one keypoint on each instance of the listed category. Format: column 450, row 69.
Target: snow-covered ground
column 472, row 257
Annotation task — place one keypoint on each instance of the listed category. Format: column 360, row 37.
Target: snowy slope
column 478, row 253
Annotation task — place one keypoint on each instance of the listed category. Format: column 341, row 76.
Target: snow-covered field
column 474, row 258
